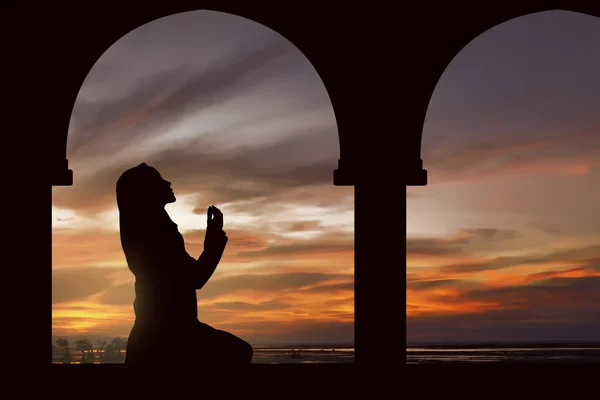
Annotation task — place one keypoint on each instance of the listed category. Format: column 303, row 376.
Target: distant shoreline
column 302, row 346
column 496, row 362
column 511, row 345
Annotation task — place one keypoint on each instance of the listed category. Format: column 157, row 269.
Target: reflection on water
column 309, row 356
column 264, row 355
column 522, row 354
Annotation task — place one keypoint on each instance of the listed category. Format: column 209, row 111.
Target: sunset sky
column 504, row 242
column 233, row 115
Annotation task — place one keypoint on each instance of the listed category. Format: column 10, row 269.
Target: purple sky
column 503, row 244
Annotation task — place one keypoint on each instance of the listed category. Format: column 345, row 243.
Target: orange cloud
column 84, row 248
column 458, row 284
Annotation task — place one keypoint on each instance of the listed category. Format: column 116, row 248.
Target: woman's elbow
column 199, row 283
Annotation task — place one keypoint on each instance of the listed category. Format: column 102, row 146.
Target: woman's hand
column 214, row 219
column 215, row 239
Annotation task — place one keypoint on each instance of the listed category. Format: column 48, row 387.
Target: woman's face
column 161, row 188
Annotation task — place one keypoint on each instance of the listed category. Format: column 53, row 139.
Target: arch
column 323, row 61
column 303, row 56
column 454, row 45
column 500, row 98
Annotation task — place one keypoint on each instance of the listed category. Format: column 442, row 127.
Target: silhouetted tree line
column 104, row 351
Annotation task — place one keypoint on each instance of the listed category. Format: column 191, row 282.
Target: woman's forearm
column 209, row 259
column 205, row 267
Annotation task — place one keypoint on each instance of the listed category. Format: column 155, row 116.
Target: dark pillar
column 361, row 284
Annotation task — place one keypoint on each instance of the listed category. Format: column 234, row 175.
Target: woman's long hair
column 135, row 192
column 134, row 189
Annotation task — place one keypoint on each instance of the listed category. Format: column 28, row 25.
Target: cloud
column 304, row 226
column 570, row 272
column 162, row 99
column 298, row 249
column 300, row 332
column 239, row 240
column 269, row 283
column 490, row 233
column 567, row 256
column 276, row 283
column 76, row 248
column 258, row 245
column 594, row 263
column 263, row 172
column 244, row 306
column 79, row 283
column 534, row 295
column 568, row 154
column 552, row 294
column 91, row 321
column 245, row 94
column 416, row 284
column 120, row 294
column 464, row 241
column 289, row 162
column 432, row 246
column 547, row 228
column 332, row 288
column 482, row 150
column 252, row 303
column 323, row 195
column 214, row 312
column 561, row 309
column 500, row 326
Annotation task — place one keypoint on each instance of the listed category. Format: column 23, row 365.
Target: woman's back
column 155, row 253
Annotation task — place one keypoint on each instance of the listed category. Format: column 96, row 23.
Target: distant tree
column 119, row 345
column 90, row 350
column 101, row 344
column 64, row 343
column 110, row 353
column 81, row 346
column 85, row 347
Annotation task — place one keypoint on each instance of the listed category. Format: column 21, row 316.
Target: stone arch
column 322, row 64
column 492, row 97
column 317, row 75
column 454, row 45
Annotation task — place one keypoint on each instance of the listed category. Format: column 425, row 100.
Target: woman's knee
column 239, row 349
column 247, row 352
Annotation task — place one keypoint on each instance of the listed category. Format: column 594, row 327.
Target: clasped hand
column 214, row 218
column 215, row 236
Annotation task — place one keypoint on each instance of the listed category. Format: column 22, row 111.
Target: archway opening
column 233, row 114
column 502, row 246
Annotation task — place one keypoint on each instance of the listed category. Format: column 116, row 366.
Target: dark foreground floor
column 571, row 355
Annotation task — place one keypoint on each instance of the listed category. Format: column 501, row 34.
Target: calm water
column 273, row 355
column 502, row 355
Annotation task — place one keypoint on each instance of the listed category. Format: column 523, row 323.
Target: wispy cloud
column 233, row 115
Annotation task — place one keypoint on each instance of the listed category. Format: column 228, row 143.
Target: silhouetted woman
column 166, row 328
